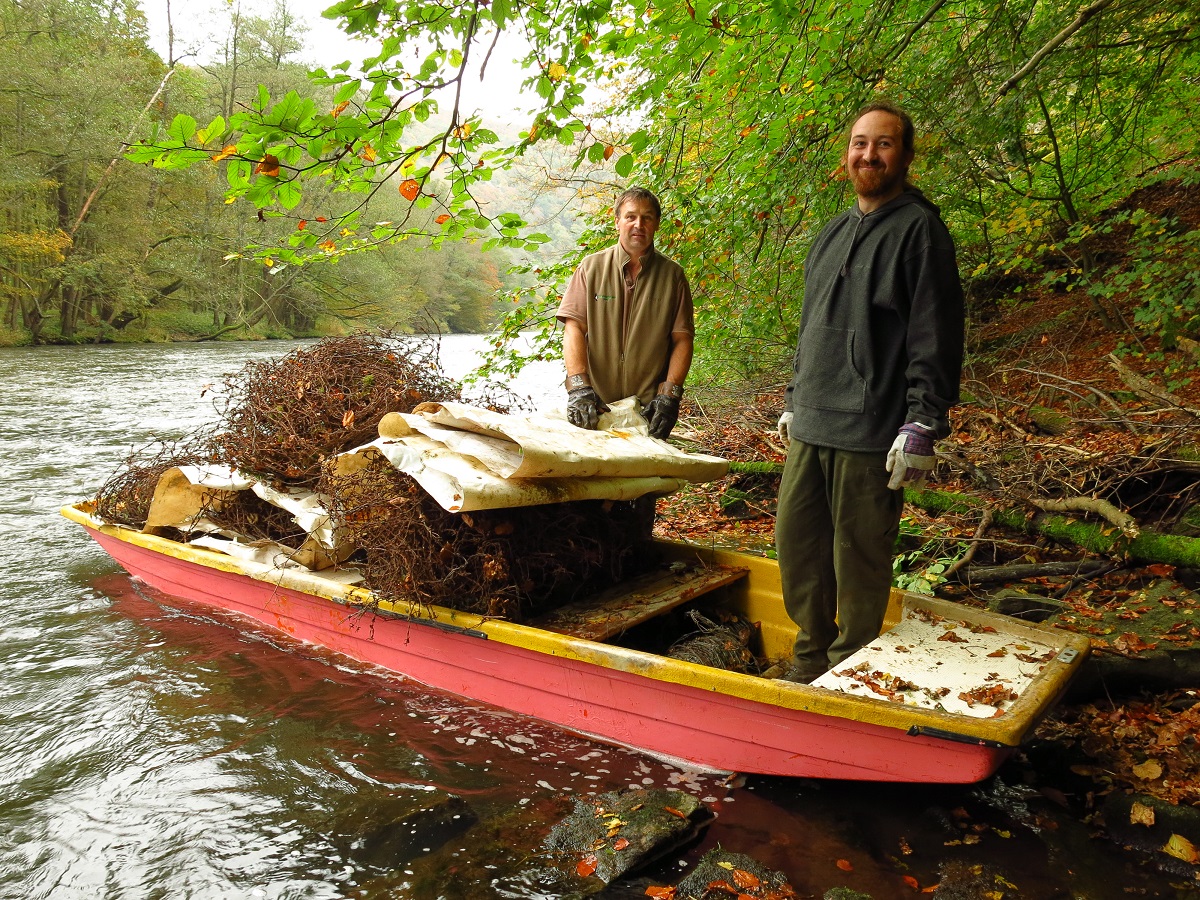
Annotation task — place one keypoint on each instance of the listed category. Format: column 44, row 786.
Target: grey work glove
column 584, row 407
column 785, row 429
column 662, row 413
column 911, row 458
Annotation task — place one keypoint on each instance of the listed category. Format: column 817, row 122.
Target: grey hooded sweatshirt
column 881, row 332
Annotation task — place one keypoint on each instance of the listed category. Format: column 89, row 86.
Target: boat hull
column 619, row 698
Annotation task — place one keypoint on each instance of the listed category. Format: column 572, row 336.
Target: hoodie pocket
column 826, row 377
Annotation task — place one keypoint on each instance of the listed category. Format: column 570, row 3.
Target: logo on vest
column 606, row 297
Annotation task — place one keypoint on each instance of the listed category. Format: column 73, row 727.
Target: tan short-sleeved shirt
column 629, row 326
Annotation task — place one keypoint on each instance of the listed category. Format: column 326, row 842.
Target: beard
column 872, row 181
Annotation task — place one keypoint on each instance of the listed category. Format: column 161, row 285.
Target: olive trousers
column 835, row 532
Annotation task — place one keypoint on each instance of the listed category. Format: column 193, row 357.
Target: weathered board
column 632, row 602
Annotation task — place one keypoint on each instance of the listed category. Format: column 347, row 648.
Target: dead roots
column 283, row 417
column 510, row 563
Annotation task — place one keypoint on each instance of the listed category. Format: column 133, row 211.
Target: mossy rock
column 721, row 875
column 618, row 832
column 1146, row 823
column 1189, row 523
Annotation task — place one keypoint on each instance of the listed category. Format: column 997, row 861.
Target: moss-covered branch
column 1148, row 546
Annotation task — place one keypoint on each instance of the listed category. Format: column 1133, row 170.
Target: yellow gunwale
column 1008, row 729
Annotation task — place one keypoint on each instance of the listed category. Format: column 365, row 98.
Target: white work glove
column 785, row 429
column 911, row 457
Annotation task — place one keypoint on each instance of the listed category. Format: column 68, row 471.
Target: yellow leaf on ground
column 1150, row 770
column 1181, row 848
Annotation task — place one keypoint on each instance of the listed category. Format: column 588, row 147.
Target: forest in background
column 262, row 187
column 94, row 248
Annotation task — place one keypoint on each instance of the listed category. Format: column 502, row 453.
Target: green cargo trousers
column 835, row 531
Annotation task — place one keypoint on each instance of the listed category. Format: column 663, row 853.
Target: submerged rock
column 388, row 832
column 606, row 836
column 1170, row 832
column 720, row 875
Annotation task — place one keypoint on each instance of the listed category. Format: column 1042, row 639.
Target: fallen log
column 1148, row 546
column 1019, row 571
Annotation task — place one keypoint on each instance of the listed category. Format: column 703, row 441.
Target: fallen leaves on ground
column 1151, row 745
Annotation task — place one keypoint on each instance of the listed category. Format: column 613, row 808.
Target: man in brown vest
column 628, row 324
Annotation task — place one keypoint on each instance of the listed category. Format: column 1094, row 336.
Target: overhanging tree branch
column 1053, row 44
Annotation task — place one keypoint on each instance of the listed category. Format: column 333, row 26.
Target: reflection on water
column 151, row 749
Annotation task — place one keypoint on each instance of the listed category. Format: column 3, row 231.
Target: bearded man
column 875, row 373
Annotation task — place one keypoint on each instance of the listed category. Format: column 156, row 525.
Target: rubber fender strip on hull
column 928, row 731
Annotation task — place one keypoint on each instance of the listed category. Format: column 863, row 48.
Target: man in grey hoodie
column 875, row 373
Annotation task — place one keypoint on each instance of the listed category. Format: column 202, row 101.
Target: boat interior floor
column 612, row 612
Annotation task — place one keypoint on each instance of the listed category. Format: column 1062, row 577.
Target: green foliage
column 921, row 570
column 1032, row 120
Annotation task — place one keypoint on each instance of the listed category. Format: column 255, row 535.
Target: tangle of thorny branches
column 1130, row 469
column 281, row 418
column 249, row 516
column 724, row 644
column 125, row 497
column 510, row 563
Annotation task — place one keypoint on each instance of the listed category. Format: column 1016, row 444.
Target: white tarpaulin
column 541, row 446
column 468, row 458
column 462, row 484
column 184, row 494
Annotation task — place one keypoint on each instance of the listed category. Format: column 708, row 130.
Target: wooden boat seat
column 617, row 609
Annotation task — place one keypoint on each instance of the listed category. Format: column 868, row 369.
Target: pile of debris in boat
column 358, row 454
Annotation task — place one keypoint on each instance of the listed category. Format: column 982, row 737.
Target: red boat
column 914, row 706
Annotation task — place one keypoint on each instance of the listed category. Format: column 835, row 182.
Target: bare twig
column 966, row 558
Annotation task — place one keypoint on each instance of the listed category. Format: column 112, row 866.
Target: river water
column 149, row 749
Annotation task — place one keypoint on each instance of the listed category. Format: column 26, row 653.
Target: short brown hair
column 638, row 193
column 907, row 132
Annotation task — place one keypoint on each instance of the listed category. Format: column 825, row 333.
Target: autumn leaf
column 673, row 811
column 586, row 866
column 1150, row 770
column 443, row 218
column 225, row 153
column 339, row 109
column 1140, row 814
column 327, row 246
column 556, row 71
column 745, row 880
column 912, row 882
column 660, row 893
column 845, row 865
column 608, row 152
column 953, row 637
column 269, row 167
column 1181, row 848
column 368, row 154
column 409, row 189
column 302, row 224
column 348, row 418
column 1130, row 643
column 620, row 844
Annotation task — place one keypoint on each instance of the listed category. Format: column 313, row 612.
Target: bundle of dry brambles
column 281, row 420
